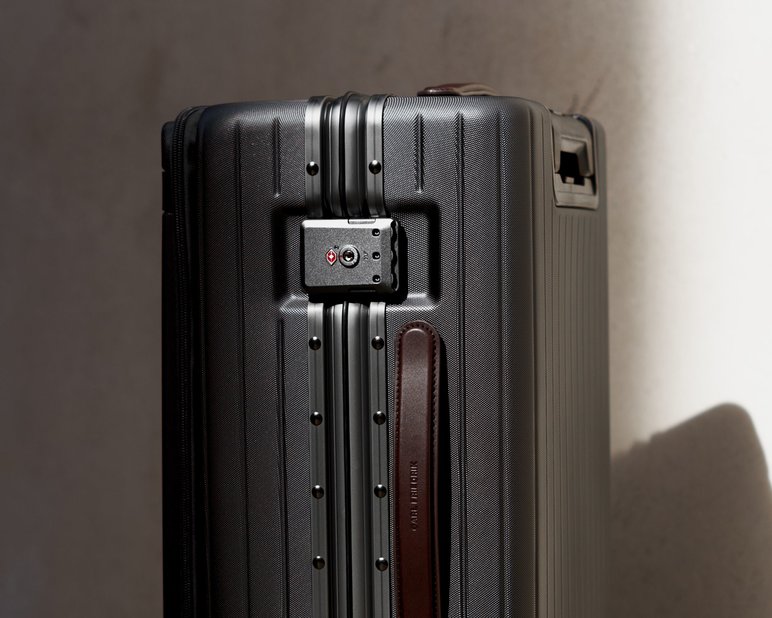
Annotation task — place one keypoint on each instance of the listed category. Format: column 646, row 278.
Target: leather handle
column 458, row 90
column 416, row 549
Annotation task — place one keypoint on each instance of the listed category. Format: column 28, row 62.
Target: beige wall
column 681, row 88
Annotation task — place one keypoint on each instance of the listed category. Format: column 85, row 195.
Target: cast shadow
column 691, row 525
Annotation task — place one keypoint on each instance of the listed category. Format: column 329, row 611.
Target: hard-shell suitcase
column 385, row 359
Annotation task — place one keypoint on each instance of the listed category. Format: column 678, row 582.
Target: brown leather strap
column 458, row 90
column 416, row 551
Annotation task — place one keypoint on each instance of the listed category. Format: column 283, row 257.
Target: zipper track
column 183, row 365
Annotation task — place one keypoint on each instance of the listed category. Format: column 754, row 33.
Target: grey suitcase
column 385, row 359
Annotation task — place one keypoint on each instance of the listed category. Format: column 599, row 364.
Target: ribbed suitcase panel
column 573, row 418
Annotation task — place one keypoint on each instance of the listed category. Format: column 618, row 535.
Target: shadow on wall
column 691, row 531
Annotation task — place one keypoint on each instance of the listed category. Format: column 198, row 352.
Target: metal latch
column 342, row 255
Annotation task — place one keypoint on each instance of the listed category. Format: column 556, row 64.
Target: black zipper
column 184, row 600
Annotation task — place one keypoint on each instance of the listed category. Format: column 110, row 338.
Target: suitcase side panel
column 458, row 175
column 517, row 289
column 572, row 397
column 256, row 358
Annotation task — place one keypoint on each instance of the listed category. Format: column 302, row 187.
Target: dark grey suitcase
column 385, row 359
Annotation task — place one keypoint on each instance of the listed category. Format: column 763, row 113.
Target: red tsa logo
column 332, row 257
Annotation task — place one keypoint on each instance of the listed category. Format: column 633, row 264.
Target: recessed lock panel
column 340, row 255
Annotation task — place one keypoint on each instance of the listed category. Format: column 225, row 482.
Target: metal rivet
column 316, row 419
column 381, row 564
column 377, row 278
column 376, row 232
column 315, row 343
column 375, row 166
column 317, row 491
column 318, row 562
column 378, row 343
column 312, row 168
column 380, row 491
column 376, row 255
column 379, row 417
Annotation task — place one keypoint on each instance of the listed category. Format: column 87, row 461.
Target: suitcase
column 385, row 359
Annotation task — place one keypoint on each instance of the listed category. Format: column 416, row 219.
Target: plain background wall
column 681, row 88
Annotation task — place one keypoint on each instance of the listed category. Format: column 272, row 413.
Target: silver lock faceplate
column 341, row 255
